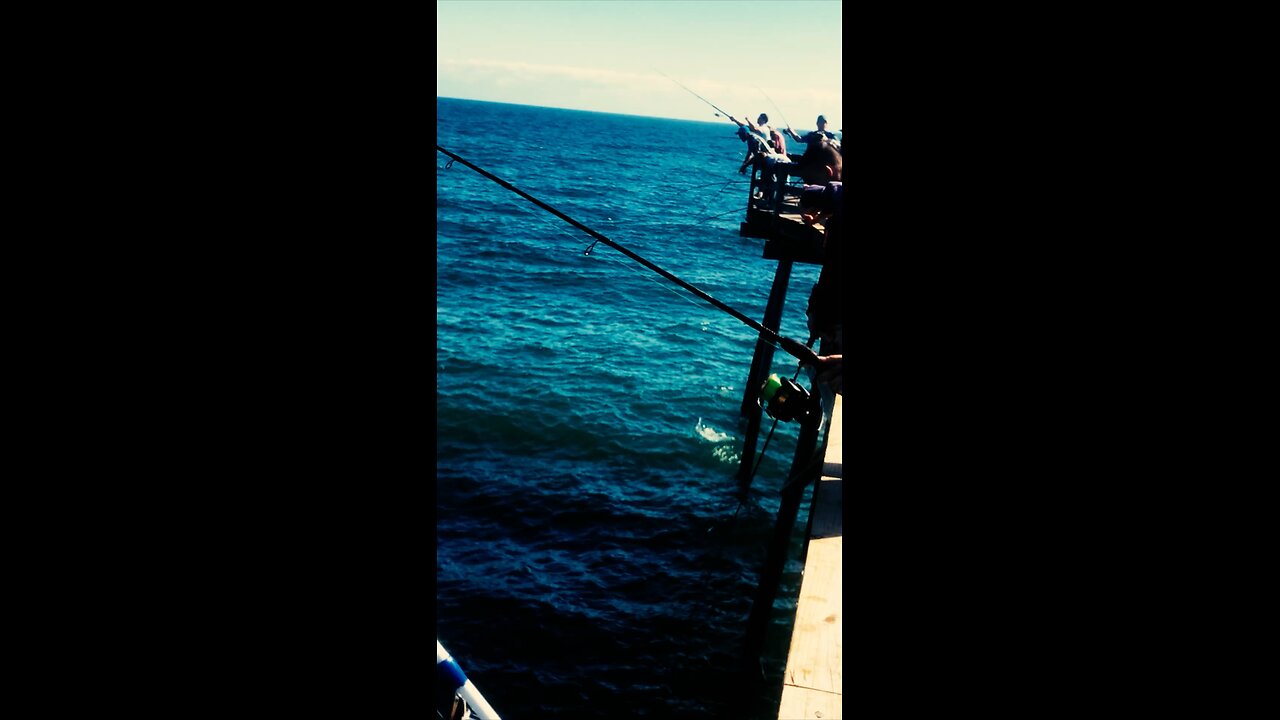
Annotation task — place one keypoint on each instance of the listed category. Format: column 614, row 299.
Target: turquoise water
column 589, row 563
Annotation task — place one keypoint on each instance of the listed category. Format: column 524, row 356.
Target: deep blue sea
column 589, row 563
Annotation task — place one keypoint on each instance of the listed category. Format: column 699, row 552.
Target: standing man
column 820, row 134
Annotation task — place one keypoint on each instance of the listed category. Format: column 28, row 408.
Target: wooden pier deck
column 813, row 684
column 787, row 236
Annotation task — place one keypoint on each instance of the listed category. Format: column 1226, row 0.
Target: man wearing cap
column 820, row 134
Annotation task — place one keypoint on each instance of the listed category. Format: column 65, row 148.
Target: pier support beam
column 760, row 364
column 805, row 468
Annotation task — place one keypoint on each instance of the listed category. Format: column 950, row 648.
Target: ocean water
column 592, row 558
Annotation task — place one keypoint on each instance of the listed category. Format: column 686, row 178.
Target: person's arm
column 793, row 135
column 822, row 197
column 829, row 370
column 821, row 216
column 819, row 202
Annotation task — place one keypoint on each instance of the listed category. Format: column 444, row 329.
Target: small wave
column 709, row 433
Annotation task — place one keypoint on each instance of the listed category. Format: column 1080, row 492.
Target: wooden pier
column 776, row 220
column 813, row 683
column 813, row 687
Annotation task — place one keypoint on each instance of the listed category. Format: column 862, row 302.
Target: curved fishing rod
column 792, row 347
column 775, row 106
column 727, row 116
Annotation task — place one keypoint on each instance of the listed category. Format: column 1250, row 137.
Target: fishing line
column 744, row 494
column 713, row 184
column 723, row 330
column 754, row 470
column 802, row 475
column 542, row 220
column 712, row 217
column 560, row 230
column 667, row 288
column 648, row 279
column 791, row 347
column 711, row 324
column 713, row 197
column 726, row 115
column 716, row 556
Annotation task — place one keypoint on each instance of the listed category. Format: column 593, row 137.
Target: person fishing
column 776, row 140
column 820, row 134
column 756, row 146
column 761, row 139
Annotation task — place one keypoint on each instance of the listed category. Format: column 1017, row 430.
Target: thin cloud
column 596, row 75
column 641, row 92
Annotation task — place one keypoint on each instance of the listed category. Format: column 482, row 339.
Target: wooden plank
column 814, row 679
column 806, row 704
column 815, row 658
column 833, row 461
column 813, row 683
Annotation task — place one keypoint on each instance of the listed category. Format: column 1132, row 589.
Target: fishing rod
column 775, row 106
column 727, row 116
column 797, row 350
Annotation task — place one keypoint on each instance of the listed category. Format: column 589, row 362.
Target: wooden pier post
column 805, row 467
column 761, row 361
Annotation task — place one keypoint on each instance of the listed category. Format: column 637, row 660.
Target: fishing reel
column 783, row 399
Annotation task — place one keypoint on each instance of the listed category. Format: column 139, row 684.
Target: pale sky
column 780, row 57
